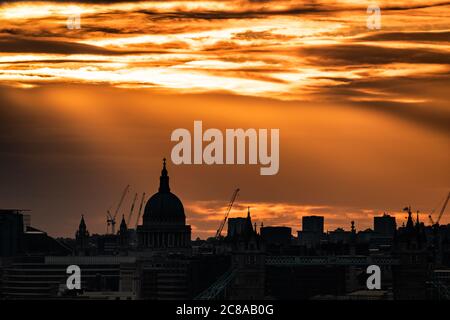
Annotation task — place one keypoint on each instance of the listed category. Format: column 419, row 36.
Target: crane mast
column 230, row 205
column 132, row 209
column 110, row 219
column 443, row 209
column 140, row 210
column 441, row 213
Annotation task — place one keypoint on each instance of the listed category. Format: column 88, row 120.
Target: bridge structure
column 440, row 283
column 330, row 260
column 218, row 289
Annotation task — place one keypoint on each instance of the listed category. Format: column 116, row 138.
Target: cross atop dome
column 164, row 179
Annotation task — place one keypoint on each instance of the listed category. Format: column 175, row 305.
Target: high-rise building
column 312, row 224
column 312, row 231
column 11, row 233
column 384, row 225
column 276, row 235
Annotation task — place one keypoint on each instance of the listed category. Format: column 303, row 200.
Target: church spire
column 249, row 221
column 409, row 223
column 164, row 179
column 123, row 224
column 82, row 237
column 123, row 233
column 82, row 225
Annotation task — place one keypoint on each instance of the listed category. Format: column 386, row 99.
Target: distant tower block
column 313, row 224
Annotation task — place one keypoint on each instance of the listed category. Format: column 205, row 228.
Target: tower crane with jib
column 110, row 219
column 441, row 213
column 230, row 205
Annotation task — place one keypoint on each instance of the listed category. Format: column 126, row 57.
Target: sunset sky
column 364, row 115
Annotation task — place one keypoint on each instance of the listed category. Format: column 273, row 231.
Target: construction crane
column 110, row 219
column 110, row 223
column 431, row 219
column 443, row 208
column 230, row 205
column 441, row 213
column 132, row 209
column 140, row 210
column 430, row 216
